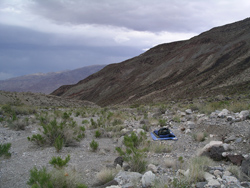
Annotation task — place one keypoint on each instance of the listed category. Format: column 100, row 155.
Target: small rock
column 119, row 161
column 188, row 111
column 200, row 184
column 152, row 168
column 231, row 138
column 214, row 183
column 230, row 179
column 245, row 166
column 208, row 176
column 235, row 159
column 217, row 173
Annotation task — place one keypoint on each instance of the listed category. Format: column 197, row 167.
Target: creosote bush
column 57, row 178
column 58, row 162
column 4, row 150
column 58, row 134
column 133, row 154
column 94, row 145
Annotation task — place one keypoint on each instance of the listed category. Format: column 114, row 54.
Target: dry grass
column 235, row 170
column 197, row 166
column 105, row 175
column 200, row 136
column 170, row 163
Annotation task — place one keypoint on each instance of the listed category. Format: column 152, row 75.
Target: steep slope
column 46, row 83
column 213, row 62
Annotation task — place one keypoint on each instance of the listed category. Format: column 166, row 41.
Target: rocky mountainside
column 48, row 82
column 216, row 61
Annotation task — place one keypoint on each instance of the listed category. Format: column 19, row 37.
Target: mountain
column 214, row 62
column 48, row 82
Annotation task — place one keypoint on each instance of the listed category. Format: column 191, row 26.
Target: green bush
column 59, row 143
column 4, row 150
column 40, row 178
column 38, row 139
column 58, row 162
column 97, row 133
column 94, row 145
column 58, row 134
column 162, row 122
column 133, row 154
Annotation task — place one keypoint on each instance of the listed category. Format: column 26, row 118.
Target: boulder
column 223, row 113
column 126, row 179
column 245, row 166
column 209, row 145
column 148, row 179
column 215, row 153
column 235, row 159
column 190, row 124
column 244, row 115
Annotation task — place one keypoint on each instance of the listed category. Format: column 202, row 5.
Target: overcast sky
column 56, row 35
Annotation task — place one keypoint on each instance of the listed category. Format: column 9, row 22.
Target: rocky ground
column 230, row 130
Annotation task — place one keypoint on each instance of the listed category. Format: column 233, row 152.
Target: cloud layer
column 54, row 35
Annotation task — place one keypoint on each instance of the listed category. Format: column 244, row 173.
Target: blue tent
column 163, row 134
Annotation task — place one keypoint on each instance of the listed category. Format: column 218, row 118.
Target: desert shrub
column 170, row 163
column 162, row 122
column 197, row 166
column 18, row 124
column 62, row 178
column 7, row 109
column 94, row 145
column 66, row 115
column 94, row 125
column 133, row 154
column 97, row 133
column 85, row 121
column 236, row 171
column 54, row 133
column 200, row 136
column 105, row 175
column 4, row 150
column 161, row 148
column 117, row 122
column 58, row 143
column 58, row 162
column 40, row 178
column 38, row 139
column 180, row 183
column 57, row 178
column 238, row 106
column 177, row 119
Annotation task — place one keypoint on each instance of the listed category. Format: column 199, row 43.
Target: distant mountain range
column 214, row 62
column 48, row 82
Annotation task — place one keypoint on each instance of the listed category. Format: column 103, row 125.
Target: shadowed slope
column 215, row 61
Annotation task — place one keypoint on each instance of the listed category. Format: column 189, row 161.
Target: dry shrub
column 200, row 136
column 197, row 166
column 105, row 175
column 65, row 178
column 235, row 170
column 170, row 163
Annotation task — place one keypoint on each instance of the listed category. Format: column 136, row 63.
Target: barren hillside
column 214, row 62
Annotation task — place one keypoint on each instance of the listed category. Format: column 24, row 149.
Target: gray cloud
column 145, row 15
column 55, row 35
